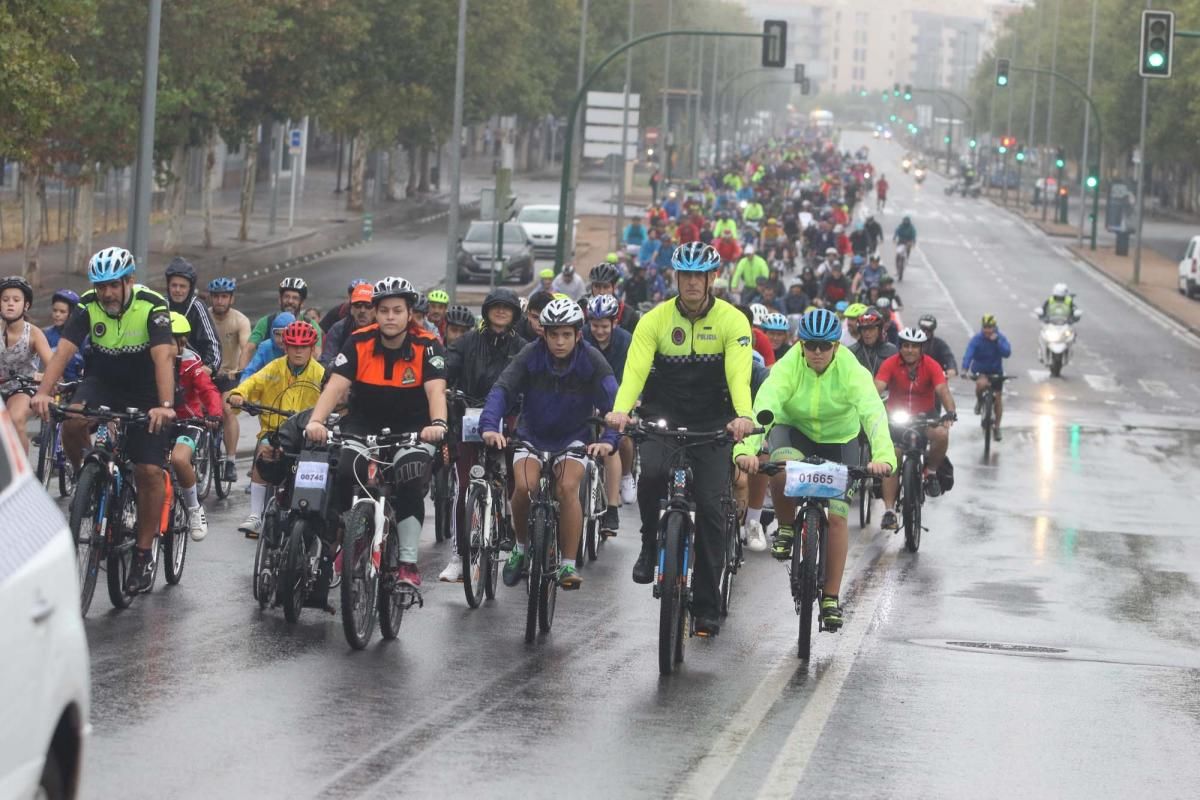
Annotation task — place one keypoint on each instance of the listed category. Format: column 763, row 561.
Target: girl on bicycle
column 196, row 398
column 23, row 342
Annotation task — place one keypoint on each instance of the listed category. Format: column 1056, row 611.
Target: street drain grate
column 1009, row 648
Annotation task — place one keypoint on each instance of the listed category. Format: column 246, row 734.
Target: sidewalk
column 322, row 224
column 1159, row 284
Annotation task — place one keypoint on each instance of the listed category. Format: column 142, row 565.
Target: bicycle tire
column 261, row 580
column 89, row 549
column 174, row 542
column 911, row 508
column 864, row 505
column 66, row 474
column 474, row 557
column 292, row 573
column 391, row 599
column 986, row 422
column 203, row 464
column 535, row 559
column 806, row 568
column 122, row 539
column 670, row 601
column 359, row 589
column 732, row 559
column 548, row 593
column 441, row 515
column 492, row 551
column 45, row 458
column 221, row 485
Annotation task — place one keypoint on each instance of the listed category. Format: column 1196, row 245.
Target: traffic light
column 908, row 91
column 862, row 92
column 972, row 143
column 1006, row 143
column 1059, row 160
column 1020, row 154
column 774, row 43
column 1092, row 181
column 892, row 118
column 805, row 86
column 895, row 90
column 1002, row 72
column 946, row 139
column 1158, row 28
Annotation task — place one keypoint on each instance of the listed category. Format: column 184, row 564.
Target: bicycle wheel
column 864, row 504
column 987, row 425
column 121, row 542
column 475, row 555
column 804, row 577
column 670, row 601
column 66, row 474
column 174, row 541
column 445, row 492
column 262, row 579
column 732, row 558
column 216, row 458
column 911, row 503
column 535, row 559
column 45, row 458
column 392, row 599
column 293, row 571
column 360, row 580
column 87, row 522
column 548, row 596
column 491, row 554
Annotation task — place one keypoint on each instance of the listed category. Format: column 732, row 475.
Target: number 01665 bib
column 828, row 480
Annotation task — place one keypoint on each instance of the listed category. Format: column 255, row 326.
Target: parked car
column 44, row 677
column 541, row 223
column 1189, row 269
column 477, row 248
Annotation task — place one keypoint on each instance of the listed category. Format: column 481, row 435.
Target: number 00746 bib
column 828, row 480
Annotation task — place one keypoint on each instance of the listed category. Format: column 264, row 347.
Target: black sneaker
column 889, row 522
column 643, row 570
column 141, row 572
column 996, row 433
column 707, row 626
column 611, row 522
column 230, row 475
column 933, row 487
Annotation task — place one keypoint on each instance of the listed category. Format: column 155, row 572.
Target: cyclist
column 131, row 364
column 985, row 356
column 1060, row 306
column 439, row 301
column 872, row 348
column 459, row 322
column 569, row 283
column 562, row 380
column 420, row 315
column 529, row 327
column 23, row 343
column 634, row 235
column 747, row 272
column 272, row 348
column 914, row 383
column 545, row 282
column 937, row 348
column 233, row 328
column 62, row 305
column 905, row 236
column 776, row 327
column 292, row 294
column 473, row 364
column 881, row 193
column 362, row 314
column 835, row 286
column 850, row 323
column 613, row 343
column 699, row 348
column 341, row 310
column 291, row 382
column 870, row 275
column 195, row 399
column 394, row 373
column 821, row 398
column 181, row 291
column 604, row 278
column 874, row 233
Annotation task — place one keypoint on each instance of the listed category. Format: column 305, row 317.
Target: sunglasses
column 818, row 347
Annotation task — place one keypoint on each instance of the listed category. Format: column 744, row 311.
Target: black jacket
column 474, row 362
column 939, row 351
column 203, row 339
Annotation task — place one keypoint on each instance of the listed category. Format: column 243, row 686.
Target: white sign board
column 607, row 133
column 605, row 149
column 611, row 116
column 612, row 99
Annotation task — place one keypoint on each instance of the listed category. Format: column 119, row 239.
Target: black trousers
column 710, row 482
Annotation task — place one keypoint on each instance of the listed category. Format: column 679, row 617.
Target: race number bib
column 312, row 474
column 470, row 425
column 828, row 480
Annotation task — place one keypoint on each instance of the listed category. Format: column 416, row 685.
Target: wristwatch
column 168, row 404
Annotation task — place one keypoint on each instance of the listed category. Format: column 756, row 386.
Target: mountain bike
column 987, row 405
column 908, row 432
column 444, row 489
column 734, row 557
column 52, row 459
column 488, row 516
column 593, row 500
column 814, row 482
column 371, row 543
column 868, row 488
column 903, row 253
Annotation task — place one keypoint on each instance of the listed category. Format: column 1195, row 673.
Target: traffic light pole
column 569, row 136
column 737, row 113
column 1099, row 135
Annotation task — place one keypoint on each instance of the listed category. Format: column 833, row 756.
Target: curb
column 1190, row 327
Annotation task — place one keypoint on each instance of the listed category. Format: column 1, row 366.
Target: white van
column 1189, row 269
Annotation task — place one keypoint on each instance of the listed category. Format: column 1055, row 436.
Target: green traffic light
column 972, row 144
column 945, row 140
column 1092, row 181
column 1156, row 60
column 892, row 118
column 862, row 93
column 907, row 96
column 1002, row 80
column 1060, row 163
column 1002, row 149
column 1020, row 155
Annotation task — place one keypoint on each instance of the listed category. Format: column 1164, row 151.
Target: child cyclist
column 290, row 383
column 198, row 403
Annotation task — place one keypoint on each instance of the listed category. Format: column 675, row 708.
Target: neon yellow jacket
column 829, row 408
column 747, row 272
column 276, row 385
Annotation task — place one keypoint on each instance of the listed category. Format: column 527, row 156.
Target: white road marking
column 1039, row 375
column 946, row 292
column 1158, row 389
column 1102, row 383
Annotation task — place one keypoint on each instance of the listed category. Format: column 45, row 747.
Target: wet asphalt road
column 1078, row 537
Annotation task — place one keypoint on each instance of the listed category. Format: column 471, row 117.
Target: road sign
column 296, row 141
column 612, row 100
column 605, row 149
column 611, row 116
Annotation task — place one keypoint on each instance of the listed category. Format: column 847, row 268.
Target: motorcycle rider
column 1060, row 307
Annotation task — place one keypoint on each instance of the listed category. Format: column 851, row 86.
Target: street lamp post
column 456, row 153
column 139, row 219
column 1086, row 122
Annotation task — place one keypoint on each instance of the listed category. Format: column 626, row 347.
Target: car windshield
column 482, row 232
column 539, row 215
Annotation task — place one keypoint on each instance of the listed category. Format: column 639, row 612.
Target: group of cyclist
column 703, row 338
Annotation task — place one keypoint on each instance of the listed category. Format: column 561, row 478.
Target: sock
column 753, row 515
column 568, row 562
column 189, row 496
column 518, row 548
column 258, row 499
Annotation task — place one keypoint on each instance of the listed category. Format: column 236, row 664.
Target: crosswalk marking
column 1102, row 383
column 1158, row 389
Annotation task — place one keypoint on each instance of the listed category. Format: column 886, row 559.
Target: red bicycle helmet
column 299, row 334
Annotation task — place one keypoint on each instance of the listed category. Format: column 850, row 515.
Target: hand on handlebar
column 433, row 434
column 235, row 400
column 40, row 403
column 494, row 439
column 316, row 432
column 740, row 427
column 747, row 464
column 616, row 420
column 879, row 469
column 159, row 418
column 599, row 449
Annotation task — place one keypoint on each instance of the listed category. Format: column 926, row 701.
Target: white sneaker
column 251, row 526
column 198, row 523
column 756, row 537
column 453, row 571
column 628, row 490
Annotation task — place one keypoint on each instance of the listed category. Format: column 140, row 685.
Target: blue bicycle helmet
column 820, row 325
column 65, row 296
column 775, row 322
column 695, row 257
column 356, row 282
column 111, row 264
column 222, row 286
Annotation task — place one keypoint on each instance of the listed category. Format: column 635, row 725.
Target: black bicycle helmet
column 294, row 285
column 928, row 322
column 422, row 304
column 605, row 273
column 17, row 282
column 461, row 316
column 180, row 267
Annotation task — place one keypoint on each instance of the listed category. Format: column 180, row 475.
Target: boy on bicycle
column 564, row 380
column 196, row 397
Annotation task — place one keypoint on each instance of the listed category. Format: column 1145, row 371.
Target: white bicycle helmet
column 294, row 285
column 603, row 306
column 760, row 313
column 915, row 335
column 560, row 312
column 394, row 287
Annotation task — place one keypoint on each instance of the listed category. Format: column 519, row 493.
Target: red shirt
column 687, row 232
column 728, row 248
column 914, row 394
column 762, row 346
column 881, row 188
column 196, row 395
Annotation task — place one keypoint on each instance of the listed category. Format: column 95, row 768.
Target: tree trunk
column 423, row 166
column 410, row 187
column 33, row 192
column 206, row 186
column 249, row 178
column 389, row 188
column 358, row 174
column 85, row 220
column 176, row 195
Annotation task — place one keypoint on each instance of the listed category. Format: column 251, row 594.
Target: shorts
column 520, row 454
column 141, row 446
column 788, row 444
column 28, row 391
